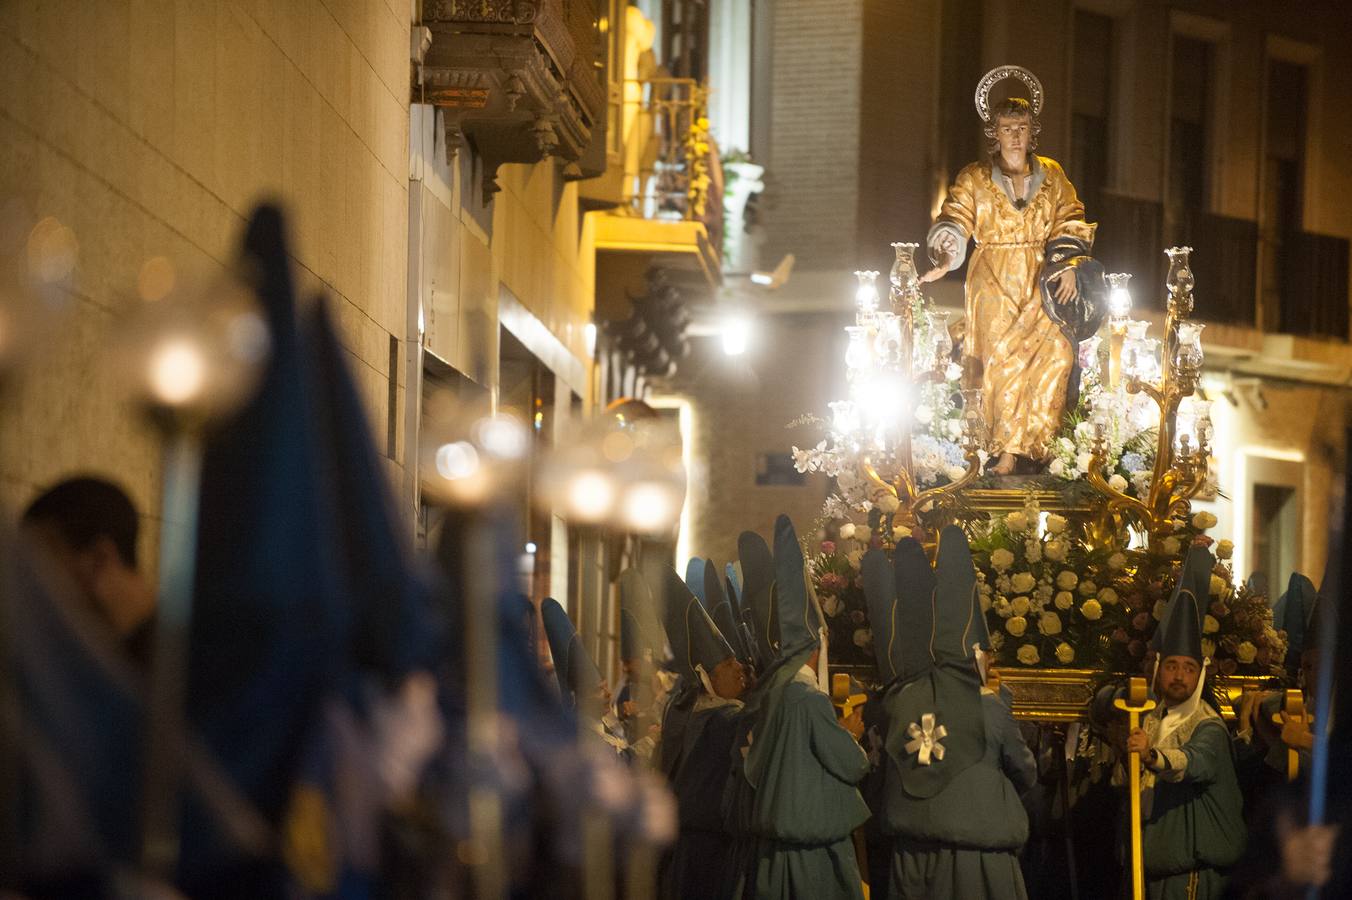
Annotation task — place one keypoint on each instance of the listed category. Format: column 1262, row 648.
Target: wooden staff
column 1293, row 710
column 1135, row 703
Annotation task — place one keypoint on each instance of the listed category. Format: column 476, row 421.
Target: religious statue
column 1032, row 292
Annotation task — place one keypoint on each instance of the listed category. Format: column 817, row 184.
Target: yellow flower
column 1108, row 597
column 1050, row 623
column 1203, row 521
column 1023, row 582
column 863, row 534
column 1087, row 587
column 1028, row 655
column 1064, row 653
column 1210, row 625
column 1019, row 605
column 1001, row 559
column 1209, row 648
column 1067, row 580
column 1091, row 610
column 1225, row 549
column 1170, row 546
column 1117, row 561
column 889, row 503
column 1016, row 625
column 1056, row 524
column 1246, row 652
column 1055, row 550
column 900, row 532
column 1158, row 610
column 847, row 531
column 1218, row 586
column 1064, row 599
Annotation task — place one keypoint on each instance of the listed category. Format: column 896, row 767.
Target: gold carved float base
column 1064, row 695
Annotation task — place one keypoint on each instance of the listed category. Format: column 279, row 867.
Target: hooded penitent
column 945, row 696
column 578, row 676
column 1180, row 632
column 697, row 647
column 900, row 614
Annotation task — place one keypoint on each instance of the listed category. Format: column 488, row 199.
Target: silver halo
column 1000, row 73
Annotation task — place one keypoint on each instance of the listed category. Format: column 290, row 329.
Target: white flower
column 845, row 479
column 1157, row 611
column 1246, row 652
column 1064, row 653
column 847, row 531
column 1055, row 550
column 1083, row 430
column 1016, row 522
column 1032, row 551
column 888, row 503
column 923, row 415
column 1225, row 549
column 953, row 372
column 984, row 598
column 1203, row 520
column 955, row 472
column 1049, row 623
column 1066, row 444
column 1210, row 625
column 1019, row 606
column 1108, row 597
column 1091, row 610
column 1117, row 561
column 1056, row 524
column 1001, row 559
column 1082, row 462
column 1064, row 600
column 1117, row 483
column 1067, row 580
column 1023, row 582
column 997, row 640
column 1170, row 546
column 1087, row 587
column 863, row 637
column 802, row 459
column 899, row 532
column 1028, row 655
column 954, row 428
column 1001, row 607
column 1057, row 468
column 863, row 534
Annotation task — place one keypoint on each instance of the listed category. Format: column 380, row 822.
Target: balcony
column 670, row 212
column 519, row 81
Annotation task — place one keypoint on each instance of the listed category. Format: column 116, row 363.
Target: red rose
column 1120, row 635
column 828, row 547
column 1202, row 541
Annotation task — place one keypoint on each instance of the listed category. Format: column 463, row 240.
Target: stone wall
column 151, row 129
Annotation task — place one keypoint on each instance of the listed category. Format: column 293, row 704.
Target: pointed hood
column 758, row 609
column 577, row 674
column 1194, row 580
column 800, row 621
column 721, row 610
column 694, row 578
column 958, row 622
column 916, row 587
column 1180, row 633
column 1291, row 613
column 705, row 644
column 881, row 596
column 641, row 631
column 734, row 586
column 676, row 599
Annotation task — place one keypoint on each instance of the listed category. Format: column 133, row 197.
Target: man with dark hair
column 88, row 527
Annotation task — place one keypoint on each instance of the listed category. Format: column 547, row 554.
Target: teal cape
column 804, row 767
column 703, row 851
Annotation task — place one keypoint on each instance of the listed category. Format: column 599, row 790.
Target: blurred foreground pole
column 169, row 662
column 481, row 703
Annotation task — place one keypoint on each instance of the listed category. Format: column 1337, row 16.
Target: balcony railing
column 1313, row 286
column 671, row 168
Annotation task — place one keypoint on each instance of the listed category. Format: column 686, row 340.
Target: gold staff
column 1293, row 710
column 1135, row 703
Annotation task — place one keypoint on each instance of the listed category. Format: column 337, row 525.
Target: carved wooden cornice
column 517, row 80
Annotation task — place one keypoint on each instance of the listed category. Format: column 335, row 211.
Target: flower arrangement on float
column 1052, row 601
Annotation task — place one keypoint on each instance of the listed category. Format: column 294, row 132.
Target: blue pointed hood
column 1194, row 580
column 958, row 621
column 577, row 674
column 1291, row 612
column 758, row 578
column 721, row 610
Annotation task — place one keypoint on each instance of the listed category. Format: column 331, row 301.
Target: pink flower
column 1120, row 635
column 1141, row 621
column 1202, row 541
column 828, row 547
column 1219, row 610
column 1136, row 648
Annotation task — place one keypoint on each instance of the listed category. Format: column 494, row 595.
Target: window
column 1274, row 528
column 777, row 470
column 1093, row 87
column 526, row 390
column 1283, row 187
column 1189, row 136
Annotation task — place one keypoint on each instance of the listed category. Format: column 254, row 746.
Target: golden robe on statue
column 1024, row 358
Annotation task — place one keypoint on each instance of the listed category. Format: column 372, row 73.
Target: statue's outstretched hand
column 934, row 274
column 1065, row 289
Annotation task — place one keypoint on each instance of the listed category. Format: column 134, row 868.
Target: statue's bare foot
column 1005, row 466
